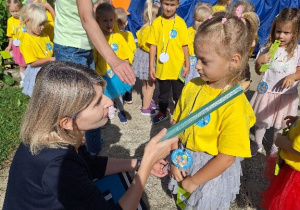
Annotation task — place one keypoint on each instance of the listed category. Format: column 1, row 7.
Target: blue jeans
column 85, row 57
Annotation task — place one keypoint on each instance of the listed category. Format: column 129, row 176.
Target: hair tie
column 224, row 20
column 209, row 17
column 239, row 11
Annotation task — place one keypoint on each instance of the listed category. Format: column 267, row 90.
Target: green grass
column 12, row 107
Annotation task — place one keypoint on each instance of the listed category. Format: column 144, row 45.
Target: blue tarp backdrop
column 266, row 10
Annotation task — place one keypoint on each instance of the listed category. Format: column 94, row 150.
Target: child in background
column 49, row 25
column 245, row 10
column 169, row 43
column 14, row 32
column 217, row 141
column 141, row 60
column 284, row 189
column 201, row 13
column 280, row 97
column 36, row 46
column 222, row 5
column 128, row 36
column 106, row 18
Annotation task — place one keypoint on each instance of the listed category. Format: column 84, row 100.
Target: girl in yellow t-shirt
column 202, row 12
column 36, row 46
column 284, row 189
column 106, row 18
column 207, row 161
column 140, row 64
column 221, row 6
column 14, row 32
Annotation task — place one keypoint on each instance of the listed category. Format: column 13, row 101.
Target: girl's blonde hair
column 62, row 89
column 287, row 16
column 202, row 11
column 11, row 2
column 247, row 6
column 35, row 12
column 121, row 16
column 151, row 12
column 227, row 35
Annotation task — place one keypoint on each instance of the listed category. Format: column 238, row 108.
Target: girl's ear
column 66, row 123
column 235, row 61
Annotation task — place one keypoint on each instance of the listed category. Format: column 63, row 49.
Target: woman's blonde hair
column 227, row 35
column 287, row 16
column 34, row 12
column 62, row 89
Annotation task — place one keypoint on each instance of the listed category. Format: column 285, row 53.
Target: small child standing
column 216, row 143
column 36, row 46
column 14, row 32
column 202, row 12
column 128, row 36
column 106, row 18
column 222, row 5
column 140, row 64
column 284, row 189
column 169, row 43
column 280, row 97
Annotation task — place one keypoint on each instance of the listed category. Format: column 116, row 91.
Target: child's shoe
column 127, row 98
column 148, row 111
column 152, row 105
column 159, row 117
column 261, row 150
column 122, row 117
column 111, row 112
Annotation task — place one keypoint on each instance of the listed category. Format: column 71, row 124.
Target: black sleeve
column 67, row 179
column 96, row 164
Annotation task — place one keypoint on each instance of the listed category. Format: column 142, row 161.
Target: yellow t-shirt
column 13, row 28
column 218, row 8
column 169, row 35
column 127, row 35
column 142, row 37
column 294, row 136
column 192, row 33
column 119, row 46
column 225, row 130
column 34, row 48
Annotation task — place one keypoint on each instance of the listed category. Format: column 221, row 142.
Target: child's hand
column 177, row 174
column 185, row 72
column 8, row 48
column 288, row 81
column 188, row 185
column 290, row 120
column 159, row 170
column 264, row 58
column 152, row 73
column 52, row 59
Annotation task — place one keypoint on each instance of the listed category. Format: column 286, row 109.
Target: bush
column 3, row 20
column 12, row 108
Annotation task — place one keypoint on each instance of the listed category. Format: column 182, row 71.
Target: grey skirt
column 29, row 79
column 140, row 64
column 217, row 193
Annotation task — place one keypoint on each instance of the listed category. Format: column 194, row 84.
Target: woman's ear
column 235, row 61
column 66, row 123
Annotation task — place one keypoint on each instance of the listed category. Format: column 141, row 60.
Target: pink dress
column 271, row 107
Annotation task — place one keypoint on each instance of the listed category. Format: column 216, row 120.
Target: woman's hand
column 159, row 169
column 188, row 185
column 288, row 81
column 177, row 174
column 156, row 150
column 123, row 70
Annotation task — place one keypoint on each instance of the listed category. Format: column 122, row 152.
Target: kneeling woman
column 52, row 168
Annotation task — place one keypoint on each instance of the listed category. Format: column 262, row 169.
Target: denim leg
column 85, row 57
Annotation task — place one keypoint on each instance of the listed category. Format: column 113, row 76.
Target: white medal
column 163, row 57
column 16, row 42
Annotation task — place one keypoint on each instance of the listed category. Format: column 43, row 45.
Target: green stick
column 203, row 111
